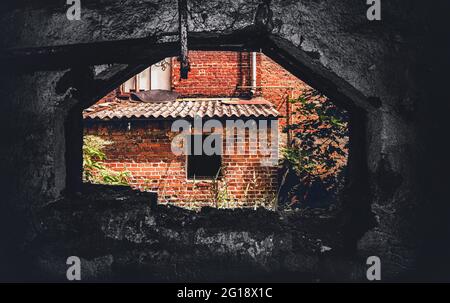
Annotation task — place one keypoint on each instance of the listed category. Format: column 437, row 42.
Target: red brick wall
column 219, row 73
column 278, row 84
column 214, row 74
column 145, row 152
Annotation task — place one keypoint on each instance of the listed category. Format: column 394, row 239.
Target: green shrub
column 94, row 170
column 317, row 155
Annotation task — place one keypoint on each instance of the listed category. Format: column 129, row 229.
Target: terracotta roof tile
column 181, row 108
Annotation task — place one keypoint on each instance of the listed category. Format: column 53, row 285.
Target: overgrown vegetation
column 222, row 198
column 315, row 162
column 219, row 191
column 94, row 169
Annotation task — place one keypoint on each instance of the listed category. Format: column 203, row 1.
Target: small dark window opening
column 203, row 167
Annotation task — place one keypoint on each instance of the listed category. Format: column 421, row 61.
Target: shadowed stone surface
column 119, row 236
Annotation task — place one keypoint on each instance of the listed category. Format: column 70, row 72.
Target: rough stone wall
column 37, row 171
column 124, row 239
column 392, row 70
column 145, row 152
column 37, row 176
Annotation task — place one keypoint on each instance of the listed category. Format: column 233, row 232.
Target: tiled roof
column 182, row 108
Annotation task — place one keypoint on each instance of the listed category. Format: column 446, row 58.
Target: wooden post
column 184, row 59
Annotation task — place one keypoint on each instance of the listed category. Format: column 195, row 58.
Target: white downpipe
column 253, row 90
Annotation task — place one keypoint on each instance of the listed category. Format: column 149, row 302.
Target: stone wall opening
column 80, row 87
column 355, row 218
column 87, row 83
column 138, row 153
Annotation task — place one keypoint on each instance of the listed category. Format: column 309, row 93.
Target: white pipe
column 253, row 90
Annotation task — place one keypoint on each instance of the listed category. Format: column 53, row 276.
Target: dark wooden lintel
column 183, row 32
column 132, row 51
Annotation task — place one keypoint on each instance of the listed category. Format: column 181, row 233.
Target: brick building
column 137, row 117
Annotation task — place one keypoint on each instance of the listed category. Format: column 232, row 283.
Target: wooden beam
column 132, row 51
column 183, row 31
